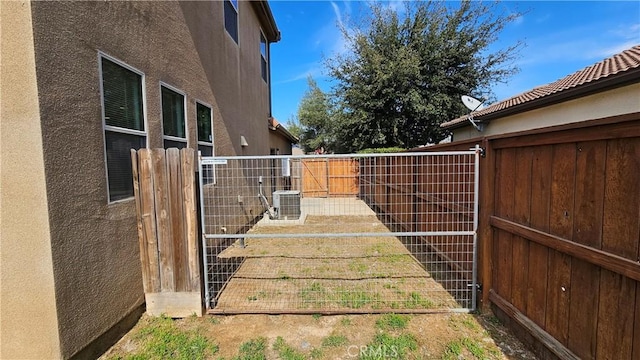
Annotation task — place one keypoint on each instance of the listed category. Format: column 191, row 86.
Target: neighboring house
column 280, row 139
column 605, row 89
column 82, row 83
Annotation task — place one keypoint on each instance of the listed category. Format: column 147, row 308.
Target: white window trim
column 106, row 127
column 186, row 125
column 224, row 20
column 213, row 138
column 204, row 143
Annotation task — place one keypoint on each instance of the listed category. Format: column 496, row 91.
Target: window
column 205, row 135
column 123, row 119
column 173, row 118
column 205, row 139
column 263, row 58
column 231, row 18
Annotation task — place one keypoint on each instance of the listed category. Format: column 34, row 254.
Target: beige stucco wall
column 28, row 319
column 622, row 100
column 94, row 244
column 278, row 141
column 233, row 73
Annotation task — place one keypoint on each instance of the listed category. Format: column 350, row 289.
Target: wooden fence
column 559, row 236
column 165, row 193
column 329, row 177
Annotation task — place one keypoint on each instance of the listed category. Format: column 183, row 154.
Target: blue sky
column 560, row 38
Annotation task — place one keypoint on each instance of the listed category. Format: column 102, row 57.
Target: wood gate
column 329, row 177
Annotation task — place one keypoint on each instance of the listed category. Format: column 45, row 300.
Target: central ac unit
column 287, row 204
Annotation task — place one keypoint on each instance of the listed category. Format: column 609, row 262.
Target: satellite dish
column 472, row 104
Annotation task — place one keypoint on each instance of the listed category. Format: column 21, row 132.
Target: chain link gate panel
column 351, row 233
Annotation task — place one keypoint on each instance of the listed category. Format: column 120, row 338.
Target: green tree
column 314, row 114
column 294, row 127
column 405, row 73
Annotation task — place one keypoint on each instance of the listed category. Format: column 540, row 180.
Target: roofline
column 627, row 77
column 266, row 16
column 283, row 130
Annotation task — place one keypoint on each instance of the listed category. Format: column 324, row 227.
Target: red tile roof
column 278, row 127
column 609, row 68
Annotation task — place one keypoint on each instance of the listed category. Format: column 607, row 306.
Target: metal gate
column 387, row 233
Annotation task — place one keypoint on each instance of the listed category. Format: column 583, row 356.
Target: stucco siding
column 279, row 142
column 618, row 101
column 94, row 244
column 233, row 72
column 27, row 296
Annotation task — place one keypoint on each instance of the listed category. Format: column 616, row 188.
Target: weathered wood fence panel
column 165, row 195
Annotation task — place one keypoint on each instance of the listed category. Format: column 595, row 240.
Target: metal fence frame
column 209, row 176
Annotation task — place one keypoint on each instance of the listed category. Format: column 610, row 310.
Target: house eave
column 266, row 18
column 611, row 82
column 284, row 132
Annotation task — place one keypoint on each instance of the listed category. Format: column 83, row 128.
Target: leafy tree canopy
column 404, row 73
column 314, row 114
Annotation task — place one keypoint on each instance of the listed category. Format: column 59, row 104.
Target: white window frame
column 213, row 138
column 105, row 127
column 184, row 105
column 203, row 143
column 236, row 7
column 264, row 56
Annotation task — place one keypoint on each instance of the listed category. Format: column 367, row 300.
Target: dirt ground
column 368, row 274
column 330, row 274
column 438, row 336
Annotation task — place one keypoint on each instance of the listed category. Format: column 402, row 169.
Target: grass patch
column 465, row 321
column 396, row 259
column 313, row 294
column 334, row 341
column 345, row 321
column 316, row 354
column 474, row 348
column 285, row 351
column 316, row 316
column 254, row 349
column 416, row 300
column 377, row 249
column 385, row 346
column 392, row 322
column 454, row 349
column 355, row 299
column 161, row 338
column 358, row 266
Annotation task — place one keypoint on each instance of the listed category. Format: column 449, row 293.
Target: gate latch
column 482, row 151
column 478, row 286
